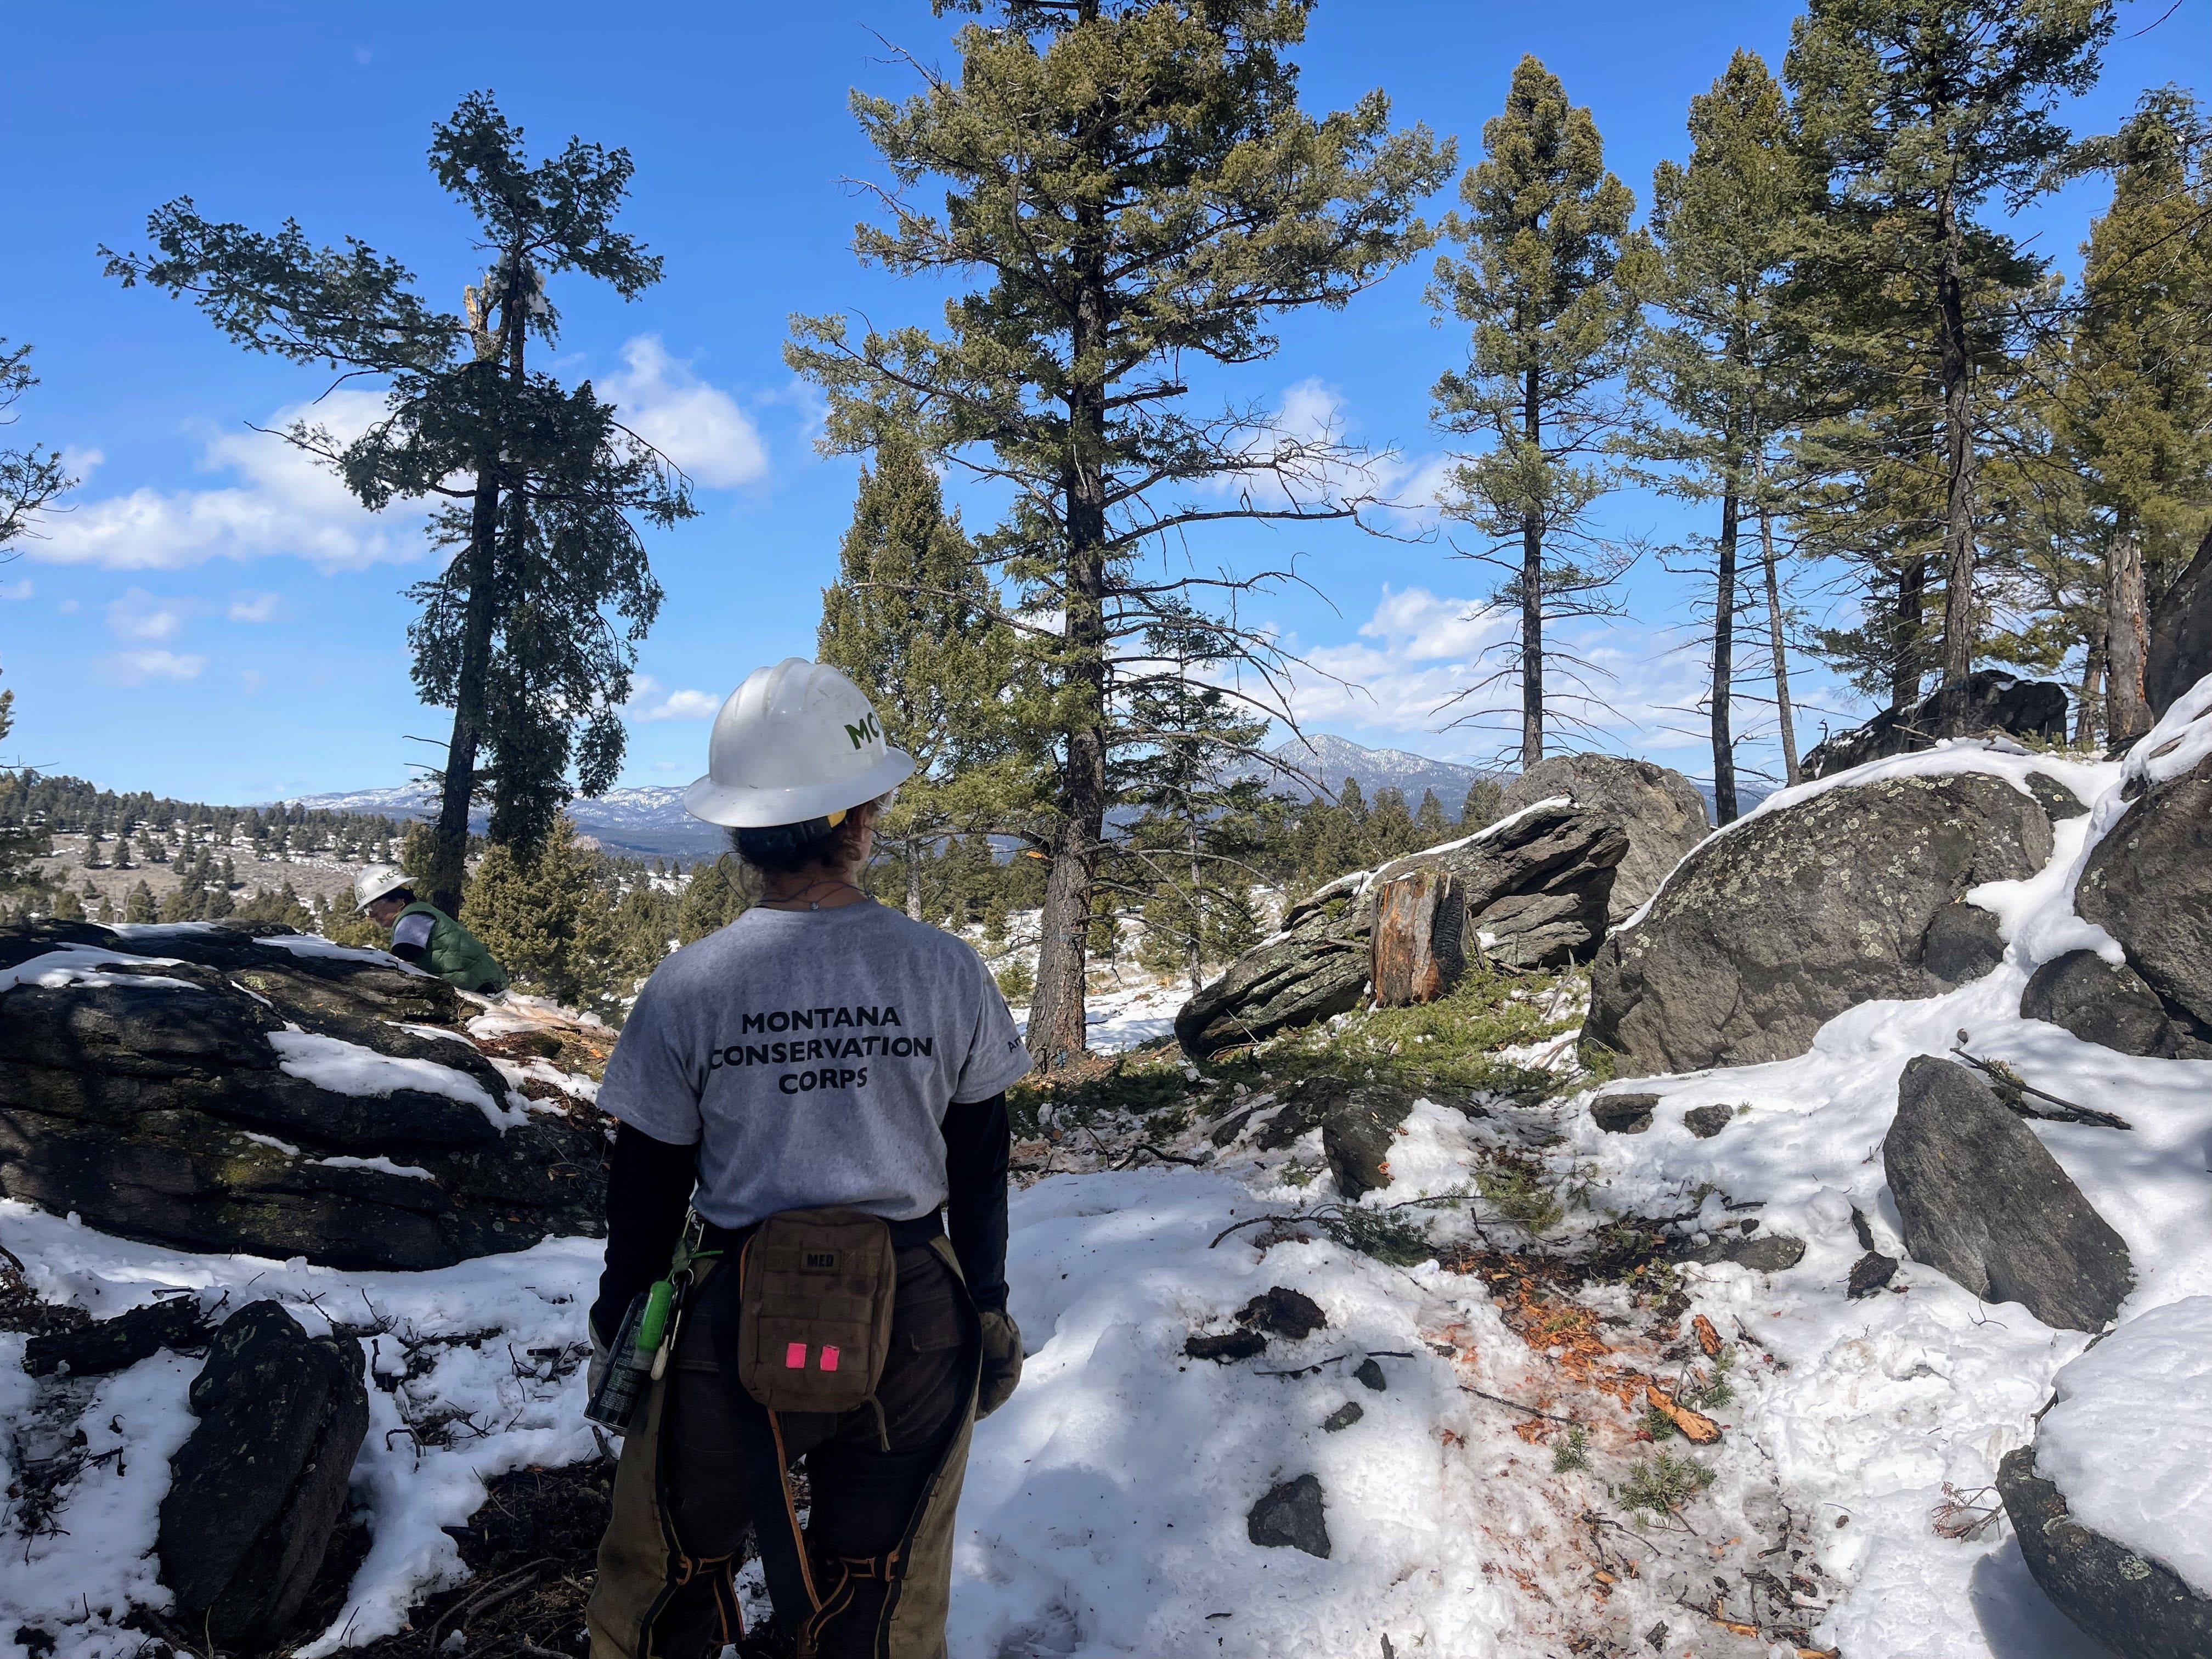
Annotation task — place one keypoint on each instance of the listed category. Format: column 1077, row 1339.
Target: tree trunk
column 449, row 838
column 1056, row 1029
column 1531, row 593
column 913, row 877
column 1779, row 645
column 1906, row 625
column 2088, row 710
column 1197, row 902
column 1724, row 807
column 1417, row 952
column 1958, row 453
column 2127, row 639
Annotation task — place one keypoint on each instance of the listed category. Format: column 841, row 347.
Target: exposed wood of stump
column 1419, row 919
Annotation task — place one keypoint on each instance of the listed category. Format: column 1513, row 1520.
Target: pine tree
column 1726, row 224
column 32, row 479
column 913, row 622
column 21, row 843
column 1429, row 820
column 1187, row 851
column 536, row 914
column 1485, row 799
column 530, row 631
column 1916, row 115
column 1140, row 192
column 714, row 897
column 2133, row 411
column 1550, row 281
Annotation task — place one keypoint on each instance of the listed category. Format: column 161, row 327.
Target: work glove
column 1002, row 1361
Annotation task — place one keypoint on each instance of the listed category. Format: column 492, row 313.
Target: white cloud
column 255, row 607
column 286, row 504
column 136, row 667
column 81, row 463
column 1301, row 435
column 697, row 426
column 21, row 590
column 139, row 614
column 649, row 700
column 1414, row 655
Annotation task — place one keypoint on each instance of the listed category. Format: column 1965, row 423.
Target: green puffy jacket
column 450, row 950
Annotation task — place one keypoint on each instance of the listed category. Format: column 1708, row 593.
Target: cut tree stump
column 1419, row 954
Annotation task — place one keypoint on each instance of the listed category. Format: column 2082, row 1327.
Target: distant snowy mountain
column 648, row 822
column 1328, row 760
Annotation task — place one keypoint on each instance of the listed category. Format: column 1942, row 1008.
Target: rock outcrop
column 1535, row 887
column 2130, row 1605
column 2109, row 1004
column 1981, row 1201
column 1659, row 810
column 258, row 1485
column 2148, row 883
column 231, row 1090
column 1793, row 915
column 1990, row 700
column 2181, row 633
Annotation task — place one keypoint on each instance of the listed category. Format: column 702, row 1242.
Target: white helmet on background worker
column 796, row 744
column 374, row 883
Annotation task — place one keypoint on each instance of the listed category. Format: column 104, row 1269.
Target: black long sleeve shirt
column 650, row 1187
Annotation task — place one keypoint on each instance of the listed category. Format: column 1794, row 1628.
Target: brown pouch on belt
column 815, row 1320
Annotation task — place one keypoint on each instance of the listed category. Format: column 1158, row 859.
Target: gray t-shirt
column 811, row 1054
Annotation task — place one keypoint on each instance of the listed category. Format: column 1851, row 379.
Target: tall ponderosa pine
column 530, row 633
column 2133, row 411
column 1916, row 115
column 1135, row 191
column 1549, row 280
column 1725, row 224
column 913, row 620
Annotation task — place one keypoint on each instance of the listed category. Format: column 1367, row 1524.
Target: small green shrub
column 1714, row 1390
column 1573, row 1452
column 1657, row 1423
column 1662, row 1483
column 1516, row 1191
column 1018, row 980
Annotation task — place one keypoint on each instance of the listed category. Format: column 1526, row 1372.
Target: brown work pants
column 869, row 1578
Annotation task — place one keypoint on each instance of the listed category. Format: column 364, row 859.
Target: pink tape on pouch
column 794, row 1356
column 828, row 1358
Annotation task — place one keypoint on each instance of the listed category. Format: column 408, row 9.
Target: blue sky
column 212, row 620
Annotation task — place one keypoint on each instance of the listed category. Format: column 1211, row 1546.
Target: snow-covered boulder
column 2148, row 883
column 1658, row 809
column 1983, row 1202
column 1820, row 900
column 1535, row 884
column 276, row 1096
column 2113, row 1504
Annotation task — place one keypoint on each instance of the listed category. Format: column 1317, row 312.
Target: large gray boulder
column 1535, row 890
column 2181, row 633
column 2108, row 1004
column 258, row 1485
column 1990, row 700
column 1981, row 1201
column 1660, row 811
column 2131, row 1605
column 198, row 1103
column 1790, row 917
column 2148, row 883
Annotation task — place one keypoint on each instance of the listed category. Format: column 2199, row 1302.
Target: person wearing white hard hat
column 821, row 1086
column 424, row 935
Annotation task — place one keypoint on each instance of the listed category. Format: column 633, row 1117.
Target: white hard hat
column 795, row 742
column 374, row 883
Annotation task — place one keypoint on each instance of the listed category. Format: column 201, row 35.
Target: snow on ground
column 498, row 1345
column 347, row 1068
column 1115, row 1021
